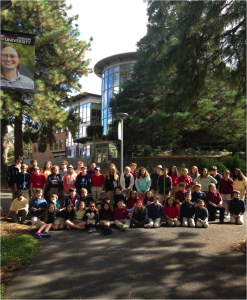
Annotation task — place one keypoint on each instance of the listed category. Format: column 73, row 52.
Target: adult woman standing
column 205, row 179
column 47, row 171
column 240, row 182
column 111, row 182
column 133, row 172
column 127, row 182
column 143, row 183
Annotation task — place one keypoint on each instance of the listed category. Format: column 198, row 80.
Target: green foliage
column 232, row 162
column 95, row 130
column 42, row 147
column 205, row 162
column 18, row 250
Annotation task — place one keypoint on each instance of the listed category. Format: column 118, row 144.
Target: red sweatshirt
column 187, row 180
column 226, row 187
column 97, row 180
column 171, row 211
column 38, row 181
column 119, row 214
column 174, row 179
column 214, row 197
column 131, row 203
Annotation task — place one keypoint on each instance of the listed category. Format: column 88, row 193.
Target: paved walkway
column 164, row 263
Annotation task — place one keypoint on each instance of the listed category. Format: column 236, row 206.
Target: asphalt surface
column 163, row 263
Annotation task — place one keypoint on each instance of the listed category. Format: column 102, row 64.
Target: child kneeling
column 201, row 214
column 90, row 217
column 237, row 209
column 120, row 214
column 155, row 213
column 187, row 212
column 105, row 217
column 139, row 215
column 171, row 212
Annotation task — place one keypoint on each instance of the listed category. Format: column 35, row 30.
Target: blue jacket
column 68, row 201
column 22, row 181
column 133, row 213
column 187, row 210
column 164, row 184
column 82, row 182
column 155, row 211
column 196, row 196
column 143, row 184
column 37, row 203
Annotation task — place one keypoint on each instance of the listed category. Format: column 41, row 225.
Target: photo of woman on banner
column 10, row 69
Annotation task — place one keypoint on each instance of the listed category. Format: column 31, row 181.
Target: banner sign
column 120, row 131
column 17, row 61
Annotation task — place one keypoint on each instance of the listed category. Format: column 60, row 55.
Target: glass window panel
column 102, row 121
column 105, row 126
column 109, row 81
column 88, row 112
column 105, row 113
column 103, row 75
column 116, row 79
column 61, row 144
column 109, row 112
column 105, row 83
column 109, row 121
column 123, row 67
column 35, row 148
column 106, row 73
column 104, row 155
column 110, row 94
column 105, row 99
column 84, row 112
column 66, row 143
column 130, row 66
column 116, row 69
column 56, row 145
column 116, row 90
column 110, row 70
column 123, row 79
column 102, row 115
column 102, row 103
column 88, row 151
column 84, row 131
column 81, row 111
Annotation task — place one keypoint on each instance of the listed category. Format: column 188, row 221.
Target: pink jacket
column 69, row 182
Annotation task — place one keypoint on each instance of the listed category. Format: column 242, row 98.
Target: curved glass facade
column 112, row 79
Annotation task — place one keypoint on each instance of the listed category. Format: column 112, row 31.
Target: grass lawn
column 16, row 251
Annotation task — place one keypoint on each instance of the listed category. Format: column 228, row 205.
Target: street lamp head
column 122, row 115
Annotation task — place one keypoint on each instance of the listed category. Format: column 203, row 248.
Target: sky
column 115, row 25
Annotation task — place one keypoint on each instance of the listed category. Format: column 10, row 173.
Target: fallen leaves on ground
column 11, row 229
column 239, row 245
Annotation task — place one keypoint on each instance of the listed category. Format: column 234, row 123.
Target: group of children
column 177, row 200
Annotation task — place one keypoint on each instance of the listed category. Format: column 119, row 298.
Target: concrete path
column 164, row 263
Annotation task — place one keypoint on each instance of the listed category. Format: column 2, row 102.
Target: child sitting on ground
column 171, row 212
column 139, row 215
column 87, row 198
column 201, row 214
column 197, row 194
column 37, row 206
column 102, row 200
column 148, row 198
column 72, row 198
column 120, row 214
column 90, row 217
column 118, row 195
column 18, row 208
column 187, row 212
column 105, row 217
column 76, row 221
column 55, row 201
column 131, row 202
column 155, row 213
column 237, row 209
column 45, row 222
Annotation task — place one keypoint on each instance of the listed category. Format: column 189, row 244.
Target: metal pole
column 94, row 160
column 122, row 148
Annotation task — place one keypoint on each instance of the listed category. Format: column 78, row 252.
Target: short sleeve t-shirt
column 19, row 204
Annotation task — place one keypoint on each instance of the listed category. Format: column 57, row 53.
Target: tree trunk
column 18, row 136
column 4, row 145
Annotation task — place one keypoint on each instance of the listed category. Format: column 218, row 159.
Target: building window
column 56, row 129
column 56, row 145
column 61, row 144
column 88, row 151
column 35, row 148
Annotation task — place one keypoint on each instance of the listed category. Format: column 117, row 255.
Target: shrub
column 205, row 162
column 232, row 162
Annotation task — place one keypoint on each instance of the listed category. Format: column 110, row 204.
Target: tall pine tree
column 59, row 64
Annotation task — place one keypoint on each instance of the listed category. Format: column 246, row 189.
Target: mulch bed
column 11, row 229
column 239, row 245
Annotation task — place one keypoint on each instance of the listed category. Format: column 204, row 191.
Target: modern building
column 113, row 71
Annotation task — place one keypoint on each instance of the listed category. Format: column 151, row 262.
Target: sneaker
column 46, row 234
column 217, row 211
column 105, row 229
column 38, row 235
column 132, row 225
column 90, row 229
column 125, row 227
column 227, row 216
column 81, row 228
column 146, row 225
column 93, row 229
column 69, row 228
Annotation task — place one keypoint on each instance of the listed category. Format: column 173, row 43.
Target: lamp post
column 122, row 116
column 94, row 119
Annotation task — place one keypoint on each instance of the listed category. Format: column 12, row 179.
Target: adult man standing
column 154, row 180
column 13, row 170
